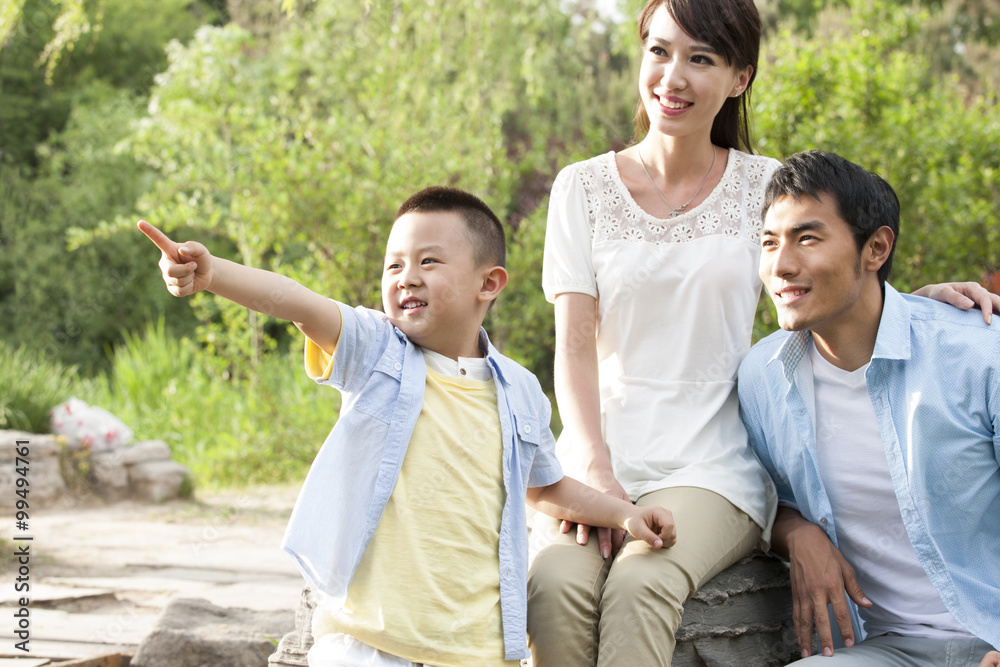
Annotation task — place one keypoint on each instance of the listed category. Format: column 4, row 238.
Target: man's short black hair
column 863, row 199
column 484, row 227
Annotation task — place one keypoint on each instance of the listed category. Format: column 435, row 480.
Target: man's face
column 810, row 264
column 431, row 284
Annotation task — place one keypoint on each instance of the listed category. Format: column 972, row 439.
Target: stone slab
column 141, row 452
column 52, row 594
column 192, row 632
column 126, row 626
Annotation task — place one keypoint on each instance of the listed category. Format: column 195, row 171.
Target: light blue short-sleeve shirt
column 934, row 381
column 381, row 376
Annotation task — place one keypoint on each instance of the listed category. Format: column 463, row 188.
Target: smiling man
column 877, row 415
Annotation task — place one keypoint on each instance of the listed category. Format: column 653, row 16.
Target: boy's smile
column 431, row 286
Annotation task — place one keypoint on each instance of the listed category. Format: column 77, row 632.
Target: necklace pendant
column 673, row 214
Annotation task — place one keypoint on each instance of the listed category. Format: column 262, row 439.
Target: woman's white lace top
column 676, row 302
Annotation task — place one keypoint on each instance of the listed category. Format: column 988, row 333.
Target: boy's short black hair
column 864, row 200
column 484, row 227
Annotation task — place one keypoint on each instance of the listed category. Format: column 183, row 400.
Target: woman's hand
column 609, row 540
column 964, row 296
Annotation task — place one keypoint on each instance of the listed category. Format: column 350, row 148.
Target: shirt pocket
column 379, row 395
column 528, row 436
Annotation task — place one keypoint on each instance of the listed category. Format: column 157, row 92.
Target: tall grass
column 30, row 386
column 263, row 427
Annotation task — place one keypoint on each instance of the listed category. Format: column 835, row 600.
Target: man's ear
column 494, row 281
column 877, row 249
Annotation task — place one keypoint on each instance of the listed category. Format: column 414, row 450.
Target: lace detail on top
column 732, row 208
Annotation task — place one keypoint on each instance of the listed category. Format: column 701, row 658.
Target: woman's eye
column 429, row 260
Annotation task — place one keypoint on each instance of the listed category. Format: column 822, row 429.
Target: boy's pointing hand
column 654, row 525
column 186, row 267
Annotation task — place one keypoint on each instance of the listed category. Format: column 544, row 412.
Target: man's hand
column 654, row 525
column 992, row 659
column 964, row 296
column 186, row 267
column 820, row 576
column 609, row 539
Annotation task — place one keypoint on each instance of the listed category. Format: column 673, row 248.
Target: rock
column 192, row 632
column 294, row 646
column 108, row 475
column 156, row 481
column 142, row 452
column 41, row 465
column 742, row 616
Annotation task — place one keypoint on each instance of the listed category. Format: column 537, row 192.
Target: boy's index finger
column 159, row 239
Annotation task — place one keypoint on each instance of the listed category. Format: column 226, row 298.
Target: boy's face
column 810, row 264
column 431, row 286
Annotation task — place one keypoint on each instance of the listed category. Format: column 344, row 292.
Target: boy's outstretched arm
column 189, row 268
column 574, row 501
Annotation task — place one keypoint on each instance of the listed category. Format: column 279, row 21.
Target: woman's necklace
column 675, row 210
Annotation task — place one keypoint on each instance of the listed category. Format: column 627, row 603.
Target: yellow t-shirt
column 428, row 586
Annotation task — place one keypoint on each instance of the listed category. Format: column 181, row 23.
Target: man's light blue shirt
column 934, row 381
column 381, row 376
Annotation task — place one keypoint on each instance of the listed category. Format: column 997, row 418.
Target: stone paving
column 101, row 574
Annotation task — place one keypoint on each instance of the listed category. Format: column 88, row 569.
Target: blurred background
column 284, row 134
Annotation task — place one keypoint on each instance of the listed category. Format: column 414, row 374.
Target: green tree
column 59, row 168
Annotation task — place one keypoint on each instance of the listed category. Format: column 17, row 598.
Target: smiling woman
column 658, row 245
column 651, row 260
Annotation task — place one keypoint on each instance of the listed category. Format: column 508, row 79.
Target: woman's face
column 684, row 82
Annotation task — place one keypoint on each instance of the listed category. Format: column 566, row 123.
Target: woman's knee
column 564, row 587
column 647, row 581
column 565, row 576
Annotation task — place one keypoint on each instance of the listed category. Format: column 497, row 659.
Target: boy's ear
column 493, row 283
column 877, row 249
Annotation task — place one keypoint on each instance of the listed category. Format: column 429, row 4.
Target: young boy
column 411, row 522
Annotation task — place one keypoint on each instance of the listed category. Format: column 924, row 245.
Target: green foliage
column 522, row 322
column 73, row 305
column 60, row 169
column 31, row 108
column 873, row 97
column 262, row 428
column 30, row 386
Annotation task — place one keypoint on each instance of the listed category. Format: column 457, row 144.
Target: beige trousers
column 584, row 610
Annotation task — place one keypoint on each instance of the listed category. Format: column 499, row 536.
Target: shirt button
column 527, row 428
column 462, row 371
column 398, row 366
column 823, row 521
